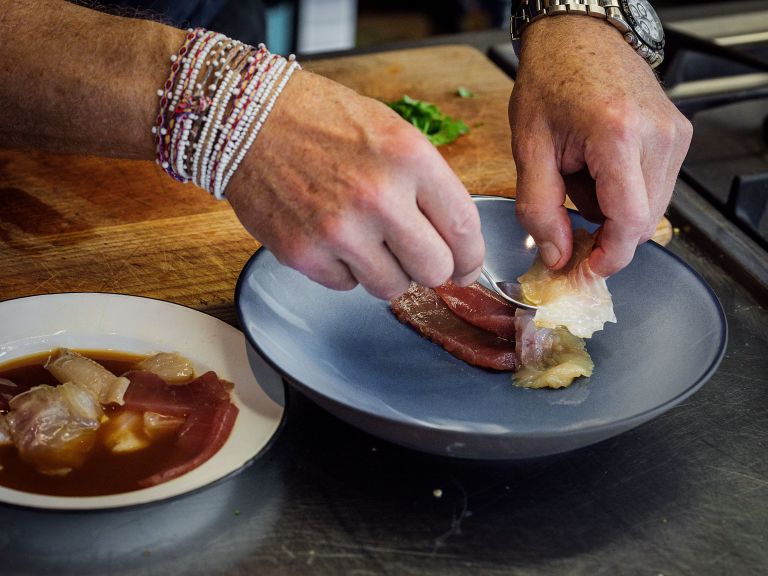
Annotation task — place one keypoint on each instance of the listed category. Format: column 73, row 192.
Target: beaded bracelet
column 233, row 134
column 217, row 97
column 222, row 182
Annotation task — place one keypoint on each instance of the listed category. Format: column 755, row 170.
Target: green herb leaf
column 439, row 128
column 465, row 92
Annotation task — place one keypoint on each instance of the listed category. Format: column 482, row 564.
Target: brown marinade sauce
column 103, row 472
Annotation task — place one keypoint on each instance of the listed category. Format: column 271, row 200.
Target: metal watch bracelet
column 532, row 10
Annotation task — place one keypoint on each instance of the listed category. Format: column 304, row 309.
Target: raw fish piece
column 8, row 390
column 426, row 312
column 69, row 366
column 208, row 412
column 124, row 433
column 54, row 427
column 5, row 431
column 159, row 425
column 573, row 297
column 548, row 357
column 480, row 307
column 148, row 392
column 202, row 435
column 170, row 366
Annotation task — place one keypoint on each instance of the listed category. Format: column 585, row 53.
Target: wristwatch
column 635, row 19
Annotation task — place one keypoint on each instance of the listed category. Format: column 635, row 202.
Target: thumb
column 540, row 198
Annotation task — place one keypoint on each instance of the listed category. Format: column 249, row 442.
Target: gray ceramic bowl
column 351, row 355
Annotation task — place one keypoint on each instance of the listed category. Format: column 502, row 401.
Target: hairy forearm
column 76, row 80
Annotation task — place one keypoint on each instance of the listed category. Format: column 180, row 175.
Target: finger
column 669, row 138
column 377, row 269
column 681, row 141
column 540, row 197
column 464, row 281
column 421, row 251
column 623, row 199
column 445, row 202
column 329, row 272
column 659, row 189
column 658, row 162
column 580, row 188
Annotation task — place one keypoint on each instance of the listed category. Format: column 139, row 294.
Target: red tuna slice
column 148, row 392
column 426, row 312
column 480, row 307
column 203, row 434
column 210, row 417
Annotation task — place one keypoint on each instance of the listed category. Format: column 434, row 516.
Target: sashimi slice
column 426, row 312
column 548, row 357
column 203, row 434
column 205, row 402
column 573, row 297
column 54, row 427
column 480, row 307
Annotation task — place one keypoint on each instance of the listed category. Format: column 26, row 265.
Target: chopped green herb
column 236, row 511
column 465, row 92
column 439, row 128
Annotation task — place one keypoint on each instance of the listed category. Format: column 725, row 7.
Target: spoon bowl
column 510, row 291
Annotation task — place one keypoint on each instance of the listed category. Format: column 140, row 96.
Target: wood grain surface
column 482, row 158
column 76, row 223
column 87, row 224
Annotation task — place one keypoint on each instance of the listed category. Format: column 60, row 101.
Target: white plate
column 142, row 325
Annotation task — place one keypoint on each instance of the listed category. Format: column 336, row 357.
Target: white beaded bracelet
column 214, row 104
column 252, row 137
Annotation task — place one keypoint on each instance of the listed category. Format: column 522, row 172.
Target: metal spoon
column 510, row 291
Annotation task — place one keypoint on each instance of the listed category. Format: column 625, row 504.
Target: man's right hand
column 589, row 118
column 340, row 188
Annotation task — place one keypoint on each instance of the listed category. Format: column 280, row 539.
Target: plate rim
column 626, row 422
column 126, row 500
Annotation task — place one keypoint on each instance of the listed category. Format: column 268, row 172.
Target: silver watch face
column 644, row 22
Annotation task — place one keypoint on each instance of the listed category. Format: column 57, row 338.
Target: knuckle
column 331, row 230
column 344, row 284
column 370, row 196
column 523, row 149
column 465, row 220
column 622, row 120
column 636, row 223
column 527, row 211
column 294, row 254
column 686, row 129
column 667, row 131
column 330, row 278
column 403, row 143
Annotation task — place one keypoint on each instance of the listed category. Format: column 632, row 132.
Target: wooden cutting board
column 76, row 223
column 481, row 158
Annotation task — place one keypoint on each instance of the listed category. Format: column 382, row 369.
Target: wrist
column 212, row 106
column 163, row 41
column 574, row 40
column 635, row 20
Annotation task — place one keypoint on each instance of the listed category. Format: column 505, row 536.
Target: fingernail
column 549, row 253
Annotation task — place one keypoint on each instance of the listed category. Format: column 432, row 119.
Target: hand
column 340, row 188
column 589, row 118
